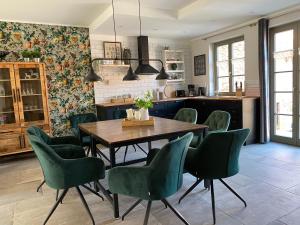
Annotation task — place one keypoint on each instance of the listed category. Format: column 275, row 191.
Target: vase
column 37, row 60
column 126, row 56
column 144, row 114
column 26, row 59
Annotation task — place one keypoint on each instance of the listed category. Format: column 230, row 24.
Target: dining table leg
column 149, row 146
column 115, row 196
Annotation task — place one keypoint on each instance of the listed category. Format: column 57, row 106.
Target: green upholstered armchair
column 217, row 121
column 64, row 174
column 161, row 178
column 187, row 115
column 217, row 157
column 67, row 147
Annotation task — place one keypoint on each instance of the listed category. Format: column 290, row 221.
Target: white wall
column 250, row 33
column 115, row 86
column 205, row 46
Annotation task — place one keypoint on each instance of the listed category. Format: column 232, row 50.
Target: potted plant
column 36, row 55
column 27, row 55
column 143, row 104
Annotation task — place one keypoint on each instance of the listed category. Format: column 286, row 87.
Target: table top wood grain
column 112, row 134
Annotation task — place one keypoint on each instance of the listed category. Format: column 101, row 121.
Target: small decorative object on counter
column 126, row 56
column 174, row 66
column 36, row 55
column 3, row 119
column 144, row 103
column 239, row 90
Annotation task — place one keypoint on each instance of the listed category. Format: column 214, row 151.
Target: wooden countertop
column 231, row 98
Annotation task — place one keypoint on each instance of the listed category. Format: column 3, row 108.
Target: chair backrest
column 187, row 115
column 119, row 114
column 167, row 168
column 51, row 163
column 39, row 133
column 82, row 118
column 218, row 155
column 218, row 120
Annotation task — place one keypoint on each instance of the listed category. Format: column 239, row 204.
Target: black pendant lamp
column 162, row 75
column 130, row 75
column 92, row 76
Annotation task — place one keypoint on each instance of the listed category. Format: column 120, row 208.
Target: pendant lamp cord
column 115, row 32
column 140, row 17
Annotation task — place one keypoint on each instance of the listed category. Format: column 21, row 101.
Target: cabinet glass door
column 30, row 92
column 8, row 102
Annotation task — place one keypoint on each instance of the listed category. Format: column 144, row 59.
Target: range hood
column 144, row 67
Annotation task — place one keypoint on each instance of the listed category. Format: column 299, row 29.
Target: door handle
column 14, row 95
column 18, row 95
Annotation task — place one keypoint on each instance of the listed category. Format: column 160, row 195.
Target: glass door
column 284, row 84
column 9, row 115
column 31, row 93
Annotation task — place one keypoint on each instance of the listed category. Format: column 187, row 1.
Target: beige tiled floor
column 269, row 181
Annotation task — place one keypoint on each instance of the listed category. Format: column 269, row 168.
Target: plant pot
column 144, row 114
column 37, row 60
column 26, row 59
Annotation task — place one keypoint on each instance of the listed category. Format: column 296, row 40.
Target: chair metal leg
column 175, row 211
column 126, row 150
column 147, row 212
column 213, row 200
column 134, row 147
column 236, row 194
column 104, row 191
column 40, row 186
column 85, row 205
column 57, row 193
column 55, row 205
column 94, row 192
column 189, row 190
column 131, row 208
column 141, row 149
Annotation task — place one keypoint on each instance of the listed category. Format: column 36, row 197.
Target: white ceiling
column 160, row 18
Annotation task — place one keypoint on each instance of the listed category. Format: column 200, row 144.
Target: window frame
column 228, row 42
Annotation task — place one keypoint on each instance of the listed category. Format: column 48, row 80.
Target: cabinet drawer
column 10, row 143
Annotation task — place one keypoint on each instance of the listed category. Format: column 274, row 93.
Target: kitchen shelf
column 7, row 112
column 31, row 95
column 175, row 71
column 175, row 80
column 4, row 80
column 6, row 96
column 29, row 79
column 171, row 62
column 114, row 65
column 31, row 110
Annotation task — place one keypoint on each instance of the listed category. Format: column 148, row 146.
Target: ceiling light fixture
column 93, row 77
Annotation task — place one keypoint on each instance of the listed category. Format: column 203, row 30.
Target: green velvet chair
column 67, row 147
column 67, row 173
column 217, row 121
column 188, row 115
column 161, row 178
column 121, row 114
column 217, row 157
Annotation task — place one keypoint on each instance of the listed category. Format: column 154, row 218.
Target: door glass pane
column 283, row 61
column 31, row 92
column 223, row 84
column 238, row 66
column 7, row 114
column 239, row 80
column 284, row 41
column 238, row 50
column 283, row 125
column 222, row 69
column 283, row 81
column 284, row 103
column 222, row 53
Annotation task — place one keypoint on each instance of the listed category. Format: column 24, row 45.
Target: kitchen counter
column 231, row 98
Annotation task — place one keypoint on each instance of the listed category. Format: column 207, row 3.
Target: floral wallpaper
column 66, row 53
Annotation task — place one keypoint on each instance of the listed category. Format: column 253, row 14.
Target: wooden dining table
column 112, row 135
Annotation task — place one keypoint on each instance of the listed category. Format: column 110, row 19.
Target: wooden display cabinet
column 23, row 102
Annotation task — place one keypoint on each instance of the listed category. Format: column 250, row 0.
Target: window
column 229, row 65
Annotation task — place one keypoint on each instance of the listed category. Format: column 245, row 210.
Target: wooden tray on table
column 135, row 123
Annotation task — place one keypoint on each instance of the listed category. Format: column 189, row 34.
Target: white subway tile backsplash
column 116, row 86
